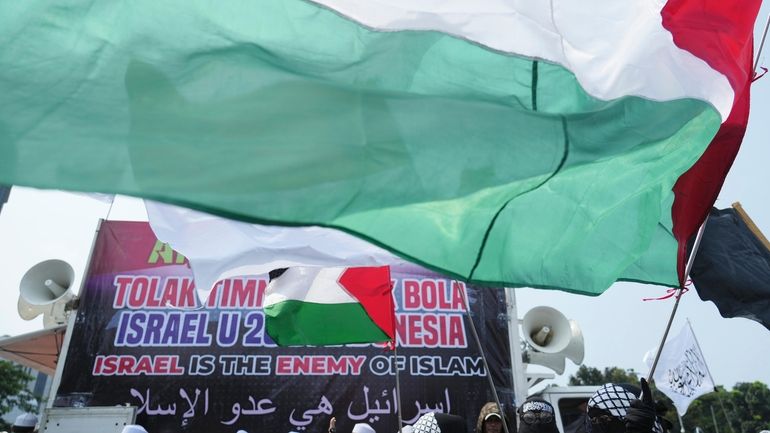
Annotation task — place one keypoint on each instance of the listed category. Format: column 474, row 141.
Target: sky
column 618, row 326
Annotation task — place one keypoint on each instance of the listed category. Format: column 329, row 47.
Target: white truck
column 569, row 403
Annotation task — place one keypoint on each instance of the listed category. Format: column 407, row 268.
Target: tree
column 752, row 406
column 13, row 388
column 593, row 376
column 745, row 409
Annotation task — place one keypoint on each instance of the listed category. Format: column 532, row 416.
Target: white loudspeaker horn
column 45, row 289
column 546, row 330
column 554, row 361
column 551, row 339
column 575, row 350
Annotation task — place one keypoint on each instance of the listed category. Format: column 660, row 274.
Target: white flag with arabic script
column 681, row 373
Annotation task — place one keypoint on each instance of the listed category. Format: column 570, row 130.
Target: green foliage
column 751, row 402
column 593, row 376
column 13, row 388
column 745, row 409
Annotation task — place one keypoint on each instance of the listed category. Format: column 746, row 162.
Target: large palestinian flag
column 552, row 144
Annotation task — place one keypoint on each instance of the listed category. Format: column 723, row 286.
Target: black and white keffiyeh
column 439, row 423
column 426, row 424
column 615, row 399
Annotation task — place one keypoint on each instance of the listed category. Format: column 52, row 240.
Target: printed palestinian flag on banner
column 324, row 306
column 554, row 144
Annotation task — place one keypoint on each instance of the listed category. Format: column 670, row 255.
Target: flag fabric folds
column 681, row 373
column 732, row 266
column 324, row 306
column 498, row 142
column 218, row 248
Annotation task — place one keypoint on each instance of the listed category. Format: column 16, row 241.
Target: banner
column 681, row 373
column 141, row 338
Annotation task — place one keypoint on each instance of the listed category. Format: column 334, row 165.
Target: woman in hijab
column 537, row 416
column 489, row 420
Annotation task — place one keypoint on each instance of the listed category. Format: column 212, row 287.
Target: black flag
column 732, row 266
column 5, row 191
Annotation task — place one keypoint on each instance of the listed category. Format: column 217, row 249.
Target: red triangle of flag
column 372, row 287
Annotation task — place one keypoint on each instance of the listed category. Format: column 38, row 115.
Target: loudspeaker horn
column 551, row 339
column 45, row 289
column 546, row 330
column 554, row 361
column 575, row 350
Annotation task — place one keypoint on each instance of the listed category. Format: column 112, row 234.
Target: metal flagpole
column 727, row 417
column 398, row 385
column 681, row 423
column 687, row 269
column 518, row 372
column 484, row 360
column 761, row 44
column 699, row 350
column 714, row 419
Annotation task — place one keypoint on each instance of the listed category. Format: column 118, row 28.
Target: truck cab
column 569, row 403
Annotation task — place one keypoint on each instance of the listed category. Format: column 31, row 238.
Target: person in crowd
column 489, row 420
column 439, row 423
column 578, row 424
column 410, row 429
column 537, row 416
column 661, row 408
column 133, row 428
column 358, row 428
column 363, row 428
column 617, row 408
column 25, row 422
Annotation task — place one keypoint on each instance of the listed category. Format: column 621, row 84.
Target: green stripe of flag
column 296, row 323
column 415, row 140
